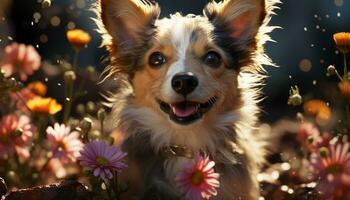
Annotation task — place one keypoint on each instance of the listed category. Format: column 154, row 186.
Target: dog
column 187, row 84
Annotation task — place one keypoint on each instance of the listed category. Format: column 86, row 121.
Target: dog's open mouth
column 186, row 112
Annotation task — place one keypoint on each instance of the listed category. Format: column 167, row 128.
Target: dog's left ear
column 241, row 19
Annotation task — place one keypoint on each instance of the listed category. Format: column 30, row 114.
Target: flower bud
column 90, row 107
column 110, row 141
column 324, row 152
column 95, row 134
column 294, row 97
column 123, row 187
column 86, row 125
column 73, row 123
column 300, row 117
column 69, row 76
column 90, row 71
column 101, row 114
column 2, row 74
column 331, row 70
column 46, row 3
column 310, row 140
column 3, row 187
column 18, row 133
column 80, row 109
column 11, row 83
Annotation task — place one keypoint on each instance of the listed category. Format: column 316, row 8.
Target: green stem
column 115, row 185
column 345, row 68
column 347, row 110
column 75, row 59
column 337, row 73
column 68, row 100
column 347, row 106
column 102, row 127
column 108, row 191
column 23, row 101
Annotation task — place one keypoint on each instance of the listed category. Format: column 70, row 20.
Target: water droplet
column 10, row 38
column 290, row 191
column 323, row 49
column 338, row 3
column 323, row 30
column 317, row 26
column 43, row 38
column 290, row 76
column 327, row 16
column 37, row 46
column 71, row 25
column 312, row 45
column 338, row 14
column 284, row 188
column 305, row 65
column 314, row 82
column 336, row 52
column 55, row 21
column 67, row 99
column 316, row 16
column 32, row 23
column 46, row 79
column 305, row 28
column 59, row 84
column 80, row 4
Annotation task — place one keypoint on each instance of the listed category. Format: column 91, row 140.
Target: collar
column 177, row 151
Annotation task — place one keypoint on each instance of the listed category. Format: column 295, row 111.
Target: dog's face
column 184, row 68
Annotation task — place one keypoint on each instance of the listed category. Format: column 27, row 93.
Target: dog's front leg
column 160, row 190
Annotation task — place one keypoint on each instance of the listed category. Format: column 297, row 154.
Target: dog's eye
column 212, row 59
column 156, row 59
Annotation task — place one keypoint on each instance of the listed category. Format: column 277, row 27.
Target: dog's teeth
column 173, row 109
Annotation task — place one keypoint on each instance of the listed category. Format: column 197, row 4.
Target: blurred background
column 303, row 50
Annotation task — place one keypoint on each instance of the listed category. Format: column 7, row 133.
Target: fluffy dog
column 187, row 84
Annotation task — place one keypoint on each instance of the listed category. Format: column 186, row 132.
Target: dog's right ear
column 126, row 21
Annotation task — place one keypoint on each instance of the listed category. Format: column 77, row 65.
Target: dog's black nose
column 184, row 83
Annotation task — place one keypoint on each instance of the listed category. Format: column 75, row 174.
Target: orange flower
column 44, row 105
column 38, row 88
column 344, row 87
column 78, row 38
column 342, row 40
column 319, row 109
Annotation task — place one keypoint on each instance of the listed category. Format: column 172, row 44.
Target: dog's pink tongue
column 184, row 112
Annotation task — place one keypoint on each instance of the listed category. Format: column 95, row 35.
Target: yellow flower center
column 102, row 161
column 197, row 178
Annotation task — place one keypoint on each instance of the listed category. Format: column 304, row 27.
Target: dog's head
column 185, row 68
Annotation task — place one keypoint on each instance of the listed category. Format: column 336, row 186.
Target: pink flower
column 102, row 159
column 310, row 136
column 20, row 59
column 64, row 143
column 331, row 166
column 15, row 135
column 198, row 180
column 21, row 97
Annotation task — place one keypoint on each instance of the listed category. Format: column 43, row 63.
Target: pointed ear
column 241, row 18
column 126, row 21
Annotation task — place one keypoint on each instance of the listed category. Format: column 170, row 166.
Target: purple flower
column 101, row 159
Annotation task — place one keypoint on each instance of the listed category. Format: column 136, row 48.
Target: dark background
column 306, row 32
